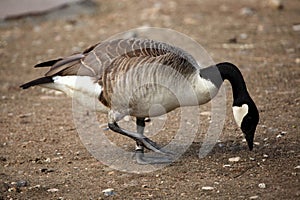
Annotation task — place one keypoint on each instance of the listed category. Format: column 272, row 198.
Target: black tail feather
column 48, row 63
column 38, row 81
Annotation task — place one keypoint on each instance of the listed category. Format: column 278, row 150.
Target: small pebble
column 25, row 115
column 262, row 185
column 297, row 167
column 52, row 190
column 221, row 145
column 12, row 189
column 205, row 113
column 266, row 156
column 271, row 129
column 68, row 27
column 50, row 51
column 35, row 186
column 21, row 183
column 253, row 197
column 297, row 60
column 189, row 21
column 207, row 188
column 46, row 170
column 283, row 132
column 246, row 11
column 276, row 4
column 243, row 36
column 296, row 27
column 108, row 192
column 234, row 159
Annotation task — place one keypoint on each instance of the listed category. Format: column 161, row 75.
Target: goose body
column 129, row 76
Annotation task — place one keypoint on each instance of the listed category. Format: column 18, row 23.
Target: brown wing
column 109, row 55
column 71, row 65
column 104, row 56
column 145, row 59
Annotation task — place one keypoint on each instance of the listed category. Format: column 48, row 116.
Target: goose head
column 247, row 117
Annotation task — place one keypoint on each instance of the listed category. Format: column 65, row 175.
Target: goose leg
column 113, row 117
column 139, row 149
column 140, row 126
column 146, row 142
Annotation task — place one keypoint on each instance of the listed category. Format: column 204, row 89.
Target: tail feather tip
column 38, row 81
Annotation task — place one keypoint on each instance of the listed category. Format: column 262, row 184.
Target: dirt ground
column 42, row 156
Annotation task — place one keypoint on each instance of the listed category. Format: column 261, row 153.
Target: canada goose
column 122, row 75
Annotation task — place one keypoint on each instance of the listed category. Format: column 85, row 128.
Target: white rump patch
column 84, row 89
column 83, row 84
column 239, row 112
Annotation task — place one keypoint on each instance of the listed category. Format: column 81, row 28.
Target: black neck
column 227, row 71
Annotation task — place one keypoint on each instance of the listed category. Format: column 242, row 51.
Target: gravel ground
column 42, row 156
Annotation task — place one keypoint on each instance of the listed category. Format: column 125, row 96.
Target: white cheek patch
column 239, row 112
